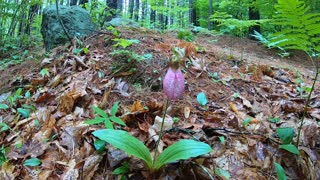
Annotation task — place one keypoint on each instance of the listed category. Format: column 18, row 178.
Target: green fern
column 300, row 30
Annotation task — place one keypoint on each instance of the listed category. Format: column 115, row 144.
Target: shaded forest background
column 20, row 20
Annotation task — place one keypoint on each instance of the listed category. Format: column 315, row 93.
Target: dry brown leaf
column 186, row 112
column 91, row 165
column 234, row 109
column 137, row 107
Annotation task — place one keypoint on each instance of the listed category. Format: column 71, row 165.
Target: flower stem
column 161, row 130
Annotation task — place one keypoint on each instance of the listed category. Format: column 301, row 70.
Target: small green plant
column 114, row 31
column 102, row 117
column 123, row 169
column 12, row 98
column 124, row 43
column 3, row 154
column 183, row 149
column 246, row 121
column 185, row 35
column 32, row 162
column 202, row 99
column 44, row 72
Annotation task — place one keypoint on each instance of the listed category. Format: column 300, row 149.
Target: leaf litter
column 237, row 127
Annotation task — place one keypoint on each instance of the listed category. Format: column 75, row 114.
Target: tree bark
column 136, row 10
column 131, row 6
column 254, row 14
column 73, row 2
column 33, row 11
column 119, row 7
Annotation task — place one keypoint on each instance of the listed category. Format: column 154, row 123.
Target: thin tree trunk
column 210, row 24
column 136, row 10
column 131, row 6
column 254, row 14
column 73, row 2
column 119, row 7
column 33, row 10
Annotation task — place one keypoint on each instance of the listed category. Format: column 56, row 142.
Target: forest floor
column 251, row 92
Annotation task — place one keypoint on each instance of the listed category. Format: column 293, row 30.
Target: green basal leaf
column 183, row 149
column 222, row 139
column 222, row 173
column 24, row 112
column 44, row 72
column 291, row 148
column 117, row 120
column 121, row 170
column 286, row 134
column 99, row 111
column 126, row 142
column 99, row 145
column 97, row 120
column 202, row 99
column 235, row 95
column 280, row 171
column 114, row 109
column 4, row 106
column 32, row 162
column 86, row 50
column 4, row 127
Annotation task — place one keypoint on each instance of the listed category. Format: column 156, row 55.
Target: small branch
column 61, row 23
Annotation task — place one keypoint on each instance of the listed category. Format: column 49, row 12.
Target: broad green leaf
column 183, row 149
column 114, row 109
column 4, row 127
column 99, row 111
column 4, row 106
column 202, row 99
column 291, row 148
column 286, row 134
column 126, row 142
column 222, row 139
column 236, row 95
column 222, row 173
column 117, row 120
column 32, row 162
column 147, row 56
column 94, row 121
column 280, row 171
column 44, row 72
column 99, row 145
column 24, row 112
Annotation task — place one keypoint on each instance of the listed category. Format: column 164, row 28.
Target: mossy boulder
column 75, row 19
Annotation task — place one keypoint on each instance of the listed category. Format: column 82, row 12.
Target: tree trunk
column 112, row 7
column 210, row 24
column 153, row 17
column 119, row 7
column 131, row 6
column 73, row 2
column 254, row 15
column 33, row 11
column 82, row 2
column 136, row 10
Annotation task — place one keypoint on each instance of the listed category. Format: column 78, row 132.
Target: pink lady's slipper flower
column 173, row 82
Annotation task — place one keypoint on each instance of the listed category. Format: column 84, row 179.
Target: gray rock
column 117, row 21
column 76, row 20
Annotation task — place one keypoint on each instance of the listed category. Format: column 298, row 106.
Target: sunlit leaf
column 94, row 121
column 99, row 111
column 4, row 106
column 99, row 145
column 117, row 120
column 202, row 99
column 222, row 173
column 291, row 148
column 27, row 95
column 44, row 72
column 286, row 134
column 4, row 127
column 24, row 112
column 274, row 119
column 183, row 149
column 246, row 121
column 126, row 142
column 222, row 139
column 280, row 171
column 32, row 162
column 114, row 109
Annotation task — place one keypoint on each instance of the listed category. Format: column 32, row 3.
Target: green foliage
column 202, row 99
column 123, row 169
column 124, row 43
column 246, row 121
column 286, row 136
column 102, row 117
column 274, row 119
column 98, row 12
column 185, row 35
column 12, row 98
column 32, row 162
column 24, row 112
column 183, row 149
column 280, row 171
column 300, row 29
column 291, row 148
column 4, row 127
column 99, row 145
column 44, row 72
column 4, row 106
column 3, row 154
column 222, row 173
